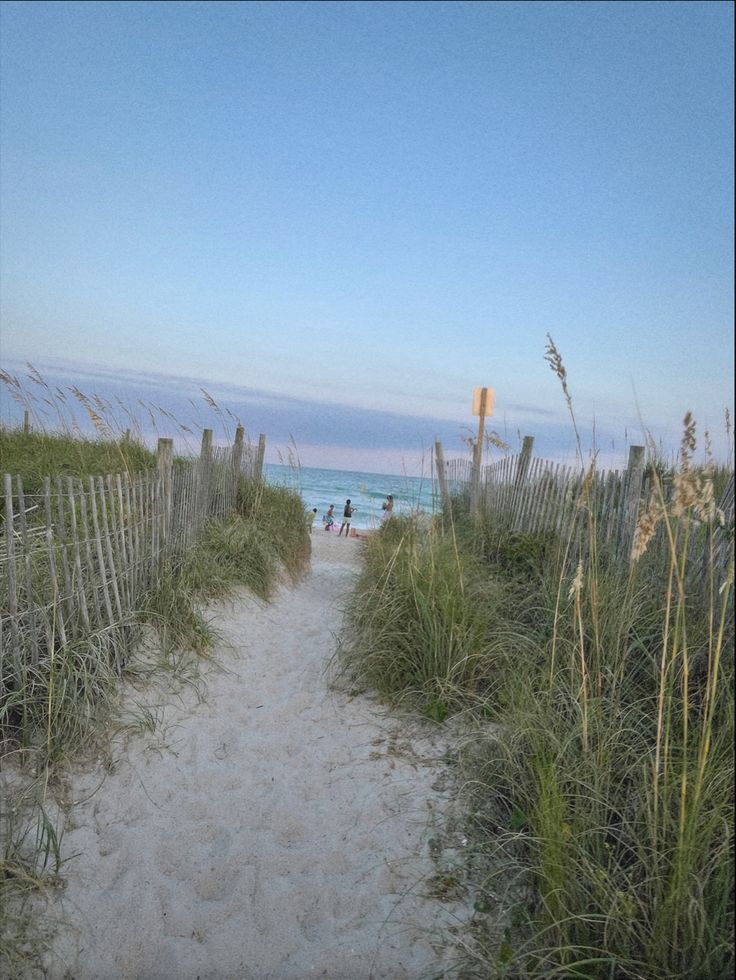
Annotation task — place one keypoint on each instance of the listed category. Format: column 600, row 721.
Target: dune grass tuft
column 420, row 619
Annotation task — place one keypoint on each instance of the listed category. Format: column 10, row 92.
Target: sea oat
column 685, row 492
column 100, row 425
column 494, row 439
column 34, row 375
column 686, row 489
column 689, row 443
column 79, row 395
column 554, row 359
column 582, row 502
column 577, row 583
column 646, row 526
column 211, row 401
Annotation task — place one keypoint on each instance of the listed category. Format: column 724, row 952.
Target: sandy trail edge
column 277, row 830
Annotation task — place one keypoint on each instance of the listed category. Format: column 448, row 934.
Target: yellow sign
column 490, row 401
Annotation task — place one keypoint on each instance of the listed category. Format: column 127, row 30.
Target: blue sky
column 375, row 207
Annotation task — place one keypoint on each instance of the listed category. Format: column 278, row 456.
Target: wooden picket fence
column 526, row 494
column 77, row 558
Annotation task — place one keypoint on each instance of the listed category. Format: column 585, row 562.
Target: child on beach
column 346, row 517
column 310, row 519
column 388, row 508
column 329, row 518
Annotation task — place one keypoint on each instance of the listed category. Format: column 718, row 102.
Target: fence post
column 164, row 465
column 522, row 468
column 237, row 460
column 205, row 476
column 632, row 495
column 478, row 454
column 258, row 474
column 26, row 422
column 442, row 476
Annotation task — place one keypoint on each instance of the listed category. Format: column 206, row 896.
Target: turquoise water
column 319, row 488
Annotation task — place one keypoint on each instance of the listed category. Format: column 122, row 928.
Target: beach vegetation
column 597, row 772
column 65, row 699
column 37, row 455
column 421, row 626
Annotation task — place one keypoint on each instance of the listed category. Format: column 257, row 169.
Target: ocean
column 320, row 487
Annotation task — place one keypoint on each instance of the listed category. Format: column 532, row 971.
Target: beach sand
column 278, row 829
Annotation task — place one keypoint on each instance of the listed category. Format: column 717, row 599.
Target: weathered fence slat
column 12, row 586
column 57, row 617
column 100, row 554
column 79, row 586
column 108, row 548
column 61, row 540
column 27, row 574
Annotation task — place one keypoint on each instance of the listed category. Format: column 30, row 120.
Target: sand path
column 277, row 830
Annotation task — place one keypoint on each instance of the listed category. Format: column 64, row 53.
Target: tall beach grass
column 598, row 770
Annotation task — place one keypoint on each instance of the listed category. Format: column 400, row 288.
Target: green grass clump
column 58, row 702
column 36, row 455
column 251, row 550
column 279, row 512
column 419, row 619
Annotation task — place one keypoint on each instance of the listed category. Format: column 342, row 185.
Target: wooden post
column 442, row 477
column 26, row 422
column 524, row 459
column 478, row 451
column 522, row 468
column 237, row 461
column 632, row 495
column 203, row 483
column 164, row 466
column 258, row 474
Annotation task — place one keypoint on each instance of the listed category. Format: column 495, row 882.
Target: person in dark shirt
column 346, row 517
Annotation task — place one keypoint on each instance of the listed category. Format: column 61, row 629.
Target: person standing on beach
column 388, row 508
column 346, row 516
column 330, row 517
column 310, row 519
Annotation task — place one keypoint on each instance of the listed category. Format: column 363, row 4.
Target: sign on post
column 478, row 400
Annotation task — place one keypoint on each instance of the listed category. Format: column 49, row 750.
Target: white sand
column 277, row 830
